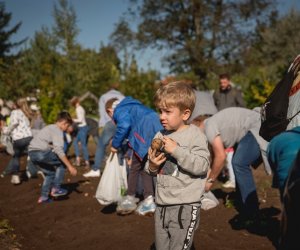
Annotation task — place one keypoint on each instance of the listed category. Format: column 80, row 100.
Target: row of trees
column 201, row 38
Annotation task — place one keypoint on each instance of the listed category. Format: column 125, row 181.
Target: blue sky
column 96, row 20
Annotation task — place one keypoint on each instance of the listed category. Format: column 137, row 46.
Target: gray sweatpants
column 175, row 226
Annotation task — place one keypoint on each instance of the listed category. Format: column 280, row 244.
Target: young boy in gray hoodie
column 180, row 165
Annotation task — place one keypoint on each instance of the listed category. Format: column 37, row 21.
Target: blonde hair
column 23, row 105
column 175, row 94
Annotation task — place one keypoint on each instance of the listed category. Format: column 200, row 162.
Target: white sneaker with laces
column 92, row 173
column 229, row 184
column 15, row 179
column 146, row 207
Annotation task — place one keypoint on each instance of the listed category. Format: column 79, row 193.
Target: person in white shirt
column 107, row 130
column 20, row 131
column 82, row 132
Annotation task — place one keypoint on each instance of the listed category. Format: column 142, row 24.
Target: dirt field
column 80, row 222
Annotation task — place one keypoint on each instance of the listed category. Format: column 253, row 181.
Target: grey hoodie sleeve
column 195, row 158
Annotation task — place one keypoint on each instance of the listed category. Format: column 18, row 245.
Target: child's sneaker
column 56, row 192
column 43, row 199
column 28, row 174
column 41, row 174
column 92, row 173
column 127, row 205
column 229, row 184
column 146, row 207
column 15, row 179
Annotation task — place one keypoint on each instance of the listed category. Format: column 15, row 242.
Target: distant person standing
column 224, row 97
column 227, row 95
column 106, row 129
column 82, row 132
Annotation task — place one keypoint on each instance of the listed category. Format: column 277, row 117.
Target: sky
column 96, row 20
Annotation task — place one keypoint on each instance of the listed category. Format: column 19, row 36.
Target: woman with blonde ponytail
column 20, row 130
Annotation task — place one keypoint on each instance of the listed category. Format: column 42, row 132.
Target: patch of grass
column 229, row 202
column 4, row 226
column 8, row 240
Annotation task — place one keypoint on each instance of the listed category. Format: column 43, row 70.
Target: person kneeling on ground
column 46, row 150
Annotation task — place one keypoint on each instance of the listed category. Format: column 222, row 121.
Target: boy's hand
column 208, row 186
column 169, row 145
column 113, row 150
column 73, row 171
column 155, row 161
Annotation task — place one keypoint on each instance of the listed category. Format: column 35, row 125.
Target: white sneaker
column 41, row 174
column 229, row 184
column 28, row 174
column 15, row 179
column 92, row 173
column 146, row 207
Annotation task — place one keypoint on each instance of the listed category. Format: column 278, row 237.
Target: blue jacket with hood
column 282, row 152
column 136, row 123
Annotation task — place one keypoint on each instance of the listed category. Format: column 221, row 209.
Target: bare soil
column 79, row 222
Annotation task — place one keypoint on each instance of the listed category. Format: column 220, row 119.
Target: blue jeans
column 19, row 147
column 82, row 138
column 247, row 153
column 52, row 167
column 108, row 132
column 32, row 168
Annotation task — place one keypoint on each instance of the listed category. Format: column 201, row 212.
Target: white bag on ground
column 113, row 181
column 208, row 201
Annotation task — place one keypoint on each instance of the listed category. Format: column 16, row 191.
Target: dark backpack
column 274, row 118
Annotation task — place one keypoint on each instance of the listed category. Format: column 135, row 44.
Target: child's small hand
column 73, row 171
column 169, row 145
column 155, row 161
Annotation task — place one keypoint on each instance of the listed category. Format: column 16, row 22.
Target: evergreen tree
column 5, row 34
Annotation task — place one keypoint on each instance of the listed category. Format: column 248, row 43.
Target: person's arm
column 123, row 123
column 239, row 100
column 69, row 166
column 218, row 161
column 193, row 159
column 14, row 122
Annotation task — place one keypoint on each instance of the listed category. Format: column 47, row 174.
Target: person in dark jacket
column 227, row 95
column 137, row 124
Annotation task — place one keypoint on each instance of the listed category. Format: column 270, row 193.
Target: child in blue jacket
column 137, row 124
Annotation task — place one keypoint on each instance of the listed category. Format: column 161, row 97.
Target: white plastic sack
column 6, row 140
column 208, row 201
column 113, row 181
